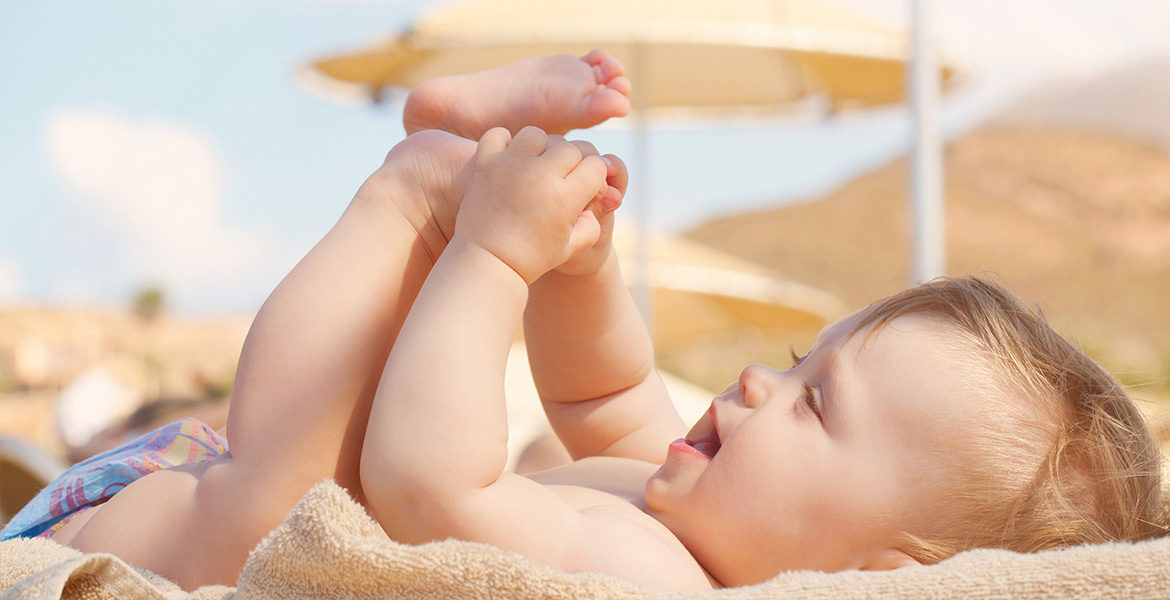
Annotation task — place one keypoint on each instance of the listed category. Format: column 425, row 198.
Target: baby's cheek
column 770, row 474
column 737, row 482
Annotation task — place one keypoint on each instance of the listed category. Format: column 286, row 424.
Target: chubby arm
column 433, row 461
column 438, row 433
column 593, row 364
column 591, row 354
column 434, row 457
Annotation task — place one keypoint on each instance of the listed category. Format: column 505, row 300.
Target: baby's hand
column 526, row 200
column 589, row 260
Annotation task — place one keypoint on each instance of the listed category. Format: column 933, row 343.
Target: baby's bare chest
column 627, row 541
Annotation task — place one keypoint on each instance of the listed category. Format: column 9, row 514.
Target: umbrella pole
column 642, row 208
column 928, row 258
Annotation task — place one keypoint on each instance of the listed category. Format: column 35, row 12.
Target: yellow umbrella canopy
column 697, row 291
column 680, row 53
column 756, row 55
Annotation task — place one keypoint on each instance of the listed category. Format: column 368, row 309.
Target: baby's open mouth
column 708, row 445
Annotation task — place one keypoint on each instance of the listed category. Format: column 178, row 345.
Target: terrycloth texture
column 329, row 548
column 39, row 569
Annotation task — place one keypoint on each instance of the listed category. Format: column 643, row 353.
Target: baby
column 946, row 417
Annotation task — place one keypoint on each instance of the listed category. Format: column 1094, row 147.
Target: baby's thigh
column 185, row 523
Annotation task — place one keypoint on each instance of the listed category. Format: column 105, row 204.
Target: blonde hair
column 1067, row 459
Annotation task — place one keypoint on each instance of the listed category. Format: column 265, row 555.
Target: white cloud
column 155, row 186
column 1053, row 37
column 12, row 283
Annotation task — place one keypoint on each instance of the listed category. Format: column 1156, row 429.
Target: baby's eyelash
column 796, row 360
column 810, row 400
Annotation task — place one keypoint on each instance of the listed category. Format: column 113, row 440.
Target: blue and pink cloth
column 96, row 479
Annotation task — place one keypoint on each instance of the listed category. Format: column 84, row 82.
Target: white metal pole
column 928, row 252
column 642, row 208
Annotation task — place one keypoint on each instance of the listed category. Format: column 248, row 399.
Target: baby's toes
column 620, row 85
column 608, row 69
column 605, row 103
column 595, row 57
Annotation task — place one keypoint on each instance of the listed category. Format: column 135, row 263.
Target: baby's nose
column 757, row 383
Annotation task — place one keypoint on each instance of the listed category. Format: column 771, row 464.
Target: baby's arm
column 593, row 364
column 434, row 456
column 433, row 464
column 592, row 358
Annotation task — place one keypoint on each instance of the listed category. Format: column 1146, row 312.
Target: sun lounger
column 24, row 470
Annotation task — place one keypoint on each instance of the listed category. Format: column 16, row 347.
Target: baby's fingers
column 586, row 180
column 564, row 156
column 617, row 179
column 494, row 141
column 586, row 231
column 530, row 140
column 586, row 148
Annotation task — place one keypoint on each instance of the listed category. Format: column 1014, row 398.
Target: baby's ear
column 886, row 559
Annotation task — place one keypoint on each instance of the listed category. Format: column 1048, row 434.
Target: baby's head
column 949, row 416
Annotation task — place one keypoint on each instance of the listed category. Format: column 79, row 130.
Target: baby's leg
column 306, row 376
column 315, row 352
column 317, row 347
column 555, row 93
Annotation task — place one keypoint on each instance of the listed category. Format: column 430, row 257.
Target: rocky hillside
column 1078, row 221
column 1129, row 101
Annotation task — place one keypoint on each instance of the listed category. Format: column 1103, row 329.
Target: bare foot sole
column 556, row 93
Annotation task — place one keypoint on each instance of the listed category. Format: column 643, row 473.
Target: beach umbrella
column 734, row 54
column 702, row 292
column 739, row 56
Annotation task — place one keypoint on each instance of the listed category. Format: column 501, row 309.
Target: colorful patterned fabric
column 98, row 478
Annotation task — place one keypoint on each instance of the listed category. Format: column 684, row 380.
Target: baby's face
column 775, row 479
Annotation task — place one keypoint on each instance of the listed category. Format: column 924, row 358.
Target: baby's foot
column 555, row 93
column 423, row 178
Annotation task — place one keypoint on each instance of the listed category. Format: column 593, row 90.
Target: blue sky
column 168, row 142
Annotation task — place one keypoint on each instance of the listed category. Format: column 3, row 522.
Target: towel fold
column 329, row 548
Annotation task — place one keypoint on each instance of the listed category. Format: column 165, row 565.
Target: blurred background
column 163, row 164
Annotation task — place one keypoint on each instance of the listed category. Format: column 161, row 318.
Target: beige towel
column 329, row 548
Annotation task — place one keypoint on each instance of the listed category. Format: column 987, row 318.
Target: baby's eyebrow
column 835, row 390
column 832, row 407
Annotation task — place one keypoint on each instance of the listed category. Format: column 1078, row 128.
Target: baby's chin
column 663, row 508
column 667, row 490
